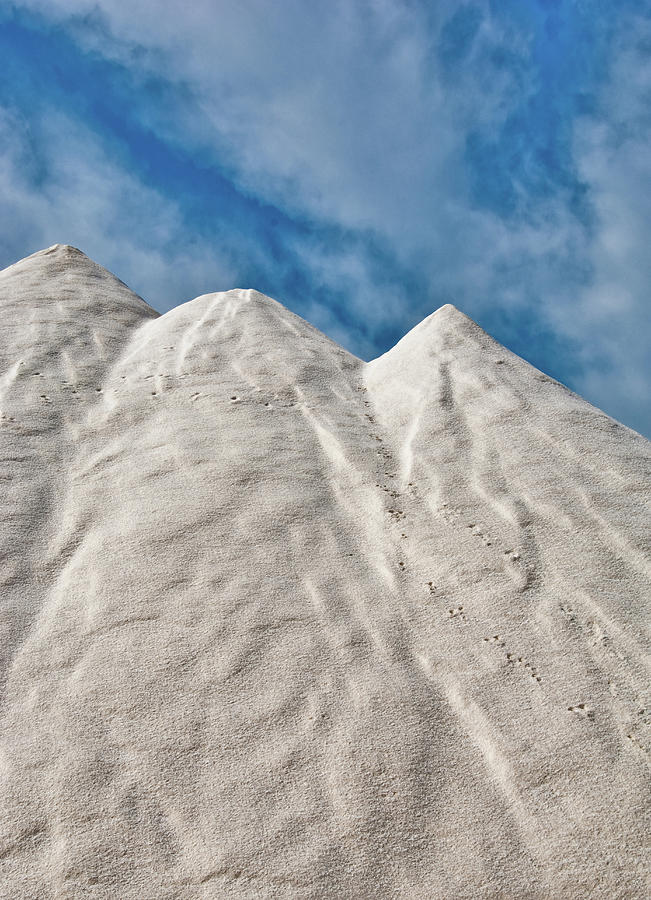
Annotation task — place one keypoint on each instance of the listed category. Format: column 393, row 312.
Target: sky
column 361, row 161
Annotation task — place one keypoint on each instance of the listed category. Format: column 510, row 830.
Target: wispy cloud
column 71, row 190
column 363, row 162
column 611, row 317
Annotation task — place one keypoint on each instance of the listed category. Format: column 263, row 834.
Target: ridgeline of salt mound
column 277, row 623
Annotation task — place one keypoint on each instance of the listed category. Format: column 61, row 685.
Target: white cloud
column 612, row 317
column 69, row 191
column 326, row 108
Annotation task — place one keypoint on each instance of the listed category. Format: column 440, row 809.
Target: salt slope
column 283, row 624
column 64, row 320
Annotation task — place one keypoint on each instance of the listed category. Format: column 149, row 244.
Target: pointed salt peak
column 57, row 256
column 247, row 297
column 447, row 323
column 56, row 251
column 449, row 311
column 446, row 318
column 239, row 296
column 451, row 317
column 251, row 295
column 45, row 266
column 249, row 305
column 61, row 249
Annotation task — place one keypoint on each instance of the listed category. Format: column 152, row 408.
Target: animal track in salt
column 457, row 613
column 582, row 709
column 520, row 662
column 637, row 742
column 569, row 614
column 517, row 661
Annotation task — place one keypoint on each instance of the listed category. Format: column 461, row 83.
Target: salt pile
column 279, row 623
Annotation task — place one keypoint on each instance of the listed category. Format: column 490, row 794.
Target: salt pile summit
column 278, row 623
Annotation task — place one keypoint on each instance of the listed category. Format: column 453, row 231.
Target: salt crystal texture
column 277, row 623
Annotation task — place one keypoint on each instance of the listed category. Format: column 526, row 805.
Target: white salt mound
column 277, row 623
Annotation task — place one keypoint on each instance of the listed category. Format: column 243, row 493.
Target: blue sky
column 363, row 162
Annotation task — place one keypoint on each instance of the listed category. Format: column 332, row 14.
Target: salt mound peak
column 450, row 312
column 56, row 256
column 64, row 282
column 61, row 249
column 446, row 320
